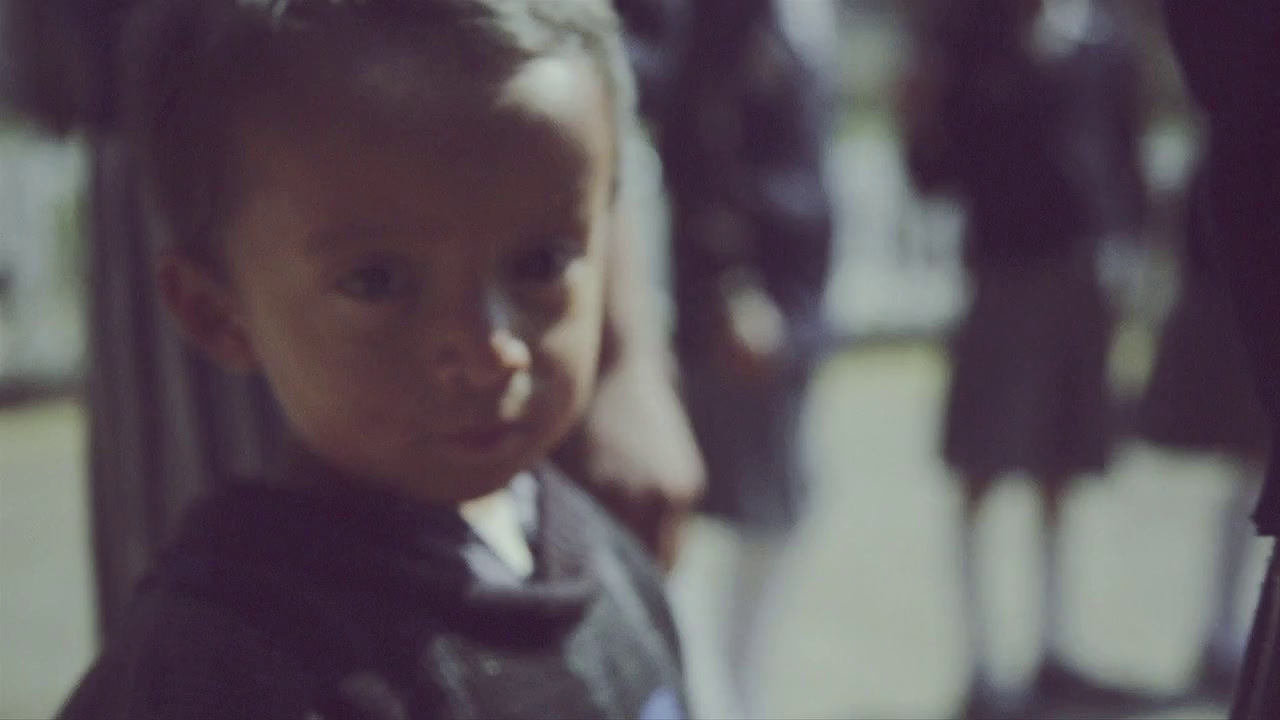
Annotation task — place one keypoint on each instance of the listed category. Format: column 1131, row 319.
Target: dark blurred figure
column 740, row 119
column 751, row 247
column 1230, row 56
column 1201, row 399
column 55, row 59
column 1027, row 113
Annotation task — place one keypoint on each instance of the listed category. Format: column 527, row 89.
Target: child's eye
column 543, row 264
column 375, row 283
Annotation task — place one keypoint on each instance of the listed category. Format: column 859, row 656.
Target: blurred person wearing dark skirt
column 1201, row 399
column 1029, row 119
column 1230, row 55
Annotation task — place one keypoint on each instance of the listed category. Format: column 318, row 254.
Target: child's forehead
column 421, row 88
column 525, row 147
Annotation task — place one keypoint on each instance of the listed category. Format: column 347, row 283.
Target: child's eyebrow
column 328, row 239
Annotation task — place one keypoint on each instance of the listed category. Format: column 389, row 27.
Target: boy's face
column 426, row 306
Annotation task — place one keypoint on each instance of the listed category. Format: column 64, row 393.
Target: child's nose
column 480, row 348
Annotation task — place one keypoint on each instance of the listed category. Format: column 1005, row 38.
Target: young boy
column 396, row 212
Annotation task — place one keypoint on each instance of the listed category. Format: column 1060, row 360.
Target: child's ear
column 206, row 311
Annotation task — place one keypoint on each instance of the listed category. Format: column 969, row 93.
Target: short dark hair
column 191, row 68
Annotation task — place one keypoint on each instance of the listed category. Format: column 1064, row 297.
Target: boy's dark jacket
column 344, row 604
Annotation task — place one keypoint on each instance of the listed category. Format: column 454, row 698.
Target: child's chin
column 473, row 478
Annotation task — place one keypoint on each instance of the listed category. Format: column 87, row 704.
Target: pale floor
column 45, row 611
column 868, row 624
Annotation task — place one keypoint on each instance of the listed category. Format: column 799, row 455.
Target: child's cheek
column 352, row 366
column 573, row 343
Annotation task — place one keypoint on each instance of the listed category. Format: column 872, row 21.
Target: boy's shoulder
column 218, row 630
column 618, row 551
column 585, row 516
column 182, row 656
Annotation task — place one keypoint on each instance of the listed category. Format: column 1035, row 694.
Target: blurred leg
column 1053, row 621
column 976, row 489
column 753, row 609
column 1258, row 693
column 1057, row 686
column 1226, row 641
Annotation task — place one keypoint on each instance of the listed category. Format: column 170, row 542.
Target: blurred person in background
column 1027, row 113
column 741, row 124
column 1230, row 55
column 159, row 412
column 1201, row 399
